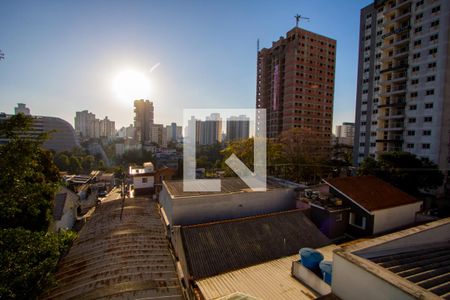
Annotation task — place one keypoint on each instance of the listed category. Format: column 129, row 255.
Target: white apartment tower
column 403, row 95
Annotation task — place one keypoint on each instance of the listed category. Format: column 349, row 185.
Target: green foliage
column 404, row 170
column 135, row 157
column 27, row 260
column 28, row 179
column 78, row 161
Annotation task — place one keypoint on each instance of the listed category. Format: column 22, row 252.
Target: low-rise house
column 361, row 206
column 65, row 209
column 143, row 178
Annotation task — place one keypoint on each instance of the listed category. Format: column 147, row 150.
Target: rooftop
column 228, row 185
column 218, row 247
column 119, row 258
column 269, row 280
column 370, row 192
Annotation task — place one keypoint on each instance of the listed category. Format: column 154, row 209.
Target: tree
column 28, row 181
column 28, row 177
column 404, row 170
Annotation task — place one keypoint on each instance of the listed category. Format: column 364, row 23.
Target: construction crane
column 298, row 18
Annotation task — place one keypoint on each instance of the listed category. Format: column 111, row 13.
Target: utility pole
column 298, row 18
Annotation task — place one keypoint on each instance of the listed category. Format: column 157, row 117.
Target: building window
column 436, row 9
column 427, row 119
column 432, row 65
column 431, row 78
column 410, row 146
column 427, row 132
column 416, row 55
column 357, row 221
column 428, row 105
column 425, row 146
column 417, row 43
column 418, row 29
column 434, row 23
column 434, row 37
column 411, row 133
column 432, row 51
column 415, row 81
column 430, row 92
column 144, row 179
column 413, row 95
column 412, row 107
column 415, row 68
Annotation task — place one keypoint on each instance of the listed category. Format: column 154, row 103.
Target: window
column 417, row 43
column 431, row 78
column 416, row 55
column 412, row 120
column 144, row 179
column 357, row 221
column 415, row 68
column 419, row 3
column 432, row 65
column 434, row 23
column 430, row 92
column 434, row 37
column 415, row 81
column 411, row 133
column 413, row 95
column 425, row 146
column 428, row 105
column 432, row 51
column 427, row 119
column 413, row 107
column 410, row 146
column 436, row 9
column 427, row 132
column 418, row 29
column 419, row 16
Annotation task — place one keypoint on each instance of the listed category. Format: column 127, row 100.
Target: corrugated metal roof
column 429, row 268
column 270, row 280
column 223, row 246
column 118, row 257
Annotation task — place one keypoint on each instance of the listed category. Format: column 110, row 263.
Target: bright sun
column 130, row 85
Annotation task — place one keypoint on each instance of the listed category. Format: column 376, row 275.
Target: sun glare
column 130, row 85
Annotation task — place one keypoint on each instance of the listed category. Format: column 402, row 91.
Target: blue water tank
column 310, row 258
column 326, row 267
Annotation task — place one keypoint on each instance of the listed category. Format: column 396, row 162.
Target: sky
column 63, row 56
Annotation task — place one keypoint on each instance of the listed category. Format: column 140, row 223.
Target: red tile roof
column 371, row 192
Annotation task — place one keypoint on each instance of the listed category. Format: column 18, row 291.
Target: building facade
column 345, row 133
column 158, row 135
column 403, row 94
column 295, row 83
column 143, row 120
column 87, row 126
column 238, row 128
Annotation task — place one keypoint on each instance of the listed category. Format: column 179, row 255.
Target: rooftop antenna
column 298, row 18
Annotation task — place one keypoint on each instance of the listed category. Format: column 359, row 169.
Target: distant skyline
column 62, row 56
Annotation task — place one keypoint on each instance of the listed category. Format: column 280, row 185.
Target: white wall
column 391, row 218
column 209, row 208
column 351, row 282
column 138, row 184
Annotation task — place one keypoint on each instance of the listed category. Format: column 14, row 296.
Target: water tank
column 310, row 258
column 326, row 269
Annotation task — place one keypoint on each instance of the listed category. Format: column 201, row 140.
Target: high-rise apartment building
column 238, row 128
column 206, row 132
column 158, row 135
column 403, row 95
column 143, row 120
column 88, row 126
column 345, row 133
column 107, row 128
column 295, row 83
column 174, row 132
column 22, row 109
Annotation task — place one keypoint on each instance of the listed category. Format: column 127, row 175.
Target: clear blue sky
column 61, row 56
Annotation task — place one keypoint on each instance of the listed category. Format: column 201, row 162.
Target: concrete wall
column 209, row 208
column 138, row 184
column 309, row 278
column 351, row 282
column 391, row 218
